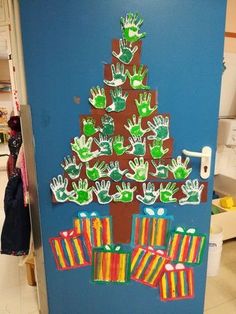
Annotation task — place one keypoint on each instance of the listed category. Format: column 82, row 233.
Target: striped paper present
column 148, row 265
column 186, row 246
column 111, row 263
column 95, row 228
column 70, row 250
column 152, row 228
column 177, row 283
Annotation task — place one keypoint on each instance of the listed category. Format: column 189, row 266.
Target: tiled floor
column 17, row 297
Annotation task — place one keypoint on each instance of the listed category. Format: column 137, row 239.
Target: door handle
column 205, row 156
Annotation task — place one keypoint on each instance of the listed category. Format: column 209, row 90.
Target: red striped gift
column 70, row 250
column 148, row 265
column 177, row 283
column 152, row 228
column 186, row 246
column 97, row 229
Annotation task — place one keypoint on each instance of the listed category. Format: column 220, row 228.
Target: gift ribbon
column 87, row 214
column 160, row 252
column 154, row 212
column 188, row 231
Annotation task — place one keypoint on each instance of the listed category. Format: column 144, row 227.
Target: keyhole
column 205, row 169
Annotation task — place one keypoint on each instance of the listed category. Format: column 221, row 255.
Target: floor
column 17, row 297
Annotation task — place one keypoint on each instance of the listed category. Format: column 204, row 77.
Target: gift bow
column 170, row 267
column 68, row 234
column 160, row 252
column 87, row 214
column 155, row 212
column 188, row 231
column 112, row 248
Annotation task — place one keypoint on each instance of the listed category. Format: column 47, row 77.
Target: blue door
column 116, row 96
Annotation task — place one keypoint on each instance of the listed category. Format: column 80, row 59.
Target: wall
column 5, row 98
column 230, row 43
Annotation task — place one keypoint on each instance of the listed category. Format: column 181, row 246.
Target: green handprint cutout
column 83, row 193
column 102, row 192
column 71, row 168
column 160, row 128
column 130, row 26
column 105, row 145
column 108, row 125
column 118, row 75
column 83, row 148
column 140, row 169
column 179, row 168
column 59, row 189
column 118, row 100
column 98, row 99
column 125, row 193
column 134, row 127
column 114, row 171
column 167, row 193
column 138, row 146
column 97, row 171
column 126, row 53
column 136, row 79
column 144, row 105
column 156, row 149
column 192, row 191
column 89, row 128
column 162, row 171
column 150, row 194
column 118, row 145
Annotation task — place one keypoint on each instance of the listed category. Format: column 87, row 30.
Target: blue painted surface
column 65, row 45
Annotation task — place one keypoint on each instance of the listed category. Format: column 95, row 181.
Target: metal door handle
column 205, row 156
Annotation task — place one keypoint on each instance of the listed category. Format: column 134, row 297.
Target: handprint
column 130, row 26
column 83, row 194
column 114, row 171
column 59, row 189
column 105, row 145
column 97, row 171
column 83, row 148
column 144, row 105
column 71, row 167
column 156, row 149
column 140, row 169
column 192, row 191
column 138, row 146
column 89, row 128
column 136, row 79
column 118, row 100
column 161, row 171
column 98, row 99
column 126, row 53
column 160, row 128
column 102, row 192
column 179, row 168
column 150, row 194
column 125, row 194
column 108, row 125
column 118, row 75
column 118, row 145
column 134, row 127
column 167, row 193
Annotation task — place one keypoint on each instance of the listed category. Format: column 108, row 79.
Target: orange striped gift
column 111, row 263
column 177, row 283
column 148, row 265
column 186, row 246
column 97, row 229
column 152, row 228
column 70, row 250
